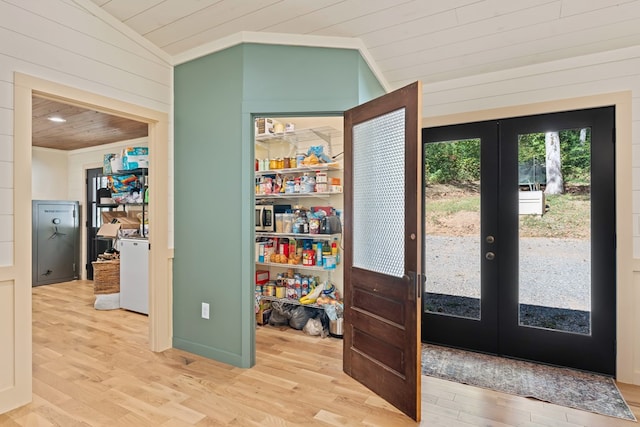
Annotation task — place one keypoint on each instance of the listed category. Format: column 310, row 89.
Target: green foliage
column 575, row 154
column 459, row 161
column 447, row 162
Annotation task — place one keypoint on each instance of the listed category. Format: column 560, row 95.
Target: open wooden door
column 383, row 246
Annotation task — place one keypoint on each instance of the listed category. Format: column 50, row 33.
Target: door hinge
column 416, row 281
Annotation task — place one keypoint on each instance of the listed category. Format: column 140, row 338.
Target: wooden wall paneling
column 68, row 18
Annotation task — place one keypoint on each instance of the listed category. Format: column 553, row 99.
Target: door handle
column 490, row 256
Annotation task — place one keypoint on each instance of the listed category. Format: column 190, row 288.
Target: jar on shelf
column 287, row 222
column 301, row 224
column 314, row 225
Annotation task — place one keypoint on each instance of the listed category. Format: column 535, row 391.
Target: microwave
column 266, row 216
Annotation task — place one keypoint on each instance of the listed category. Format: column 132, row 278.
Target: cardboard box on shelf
column 262, row 277
column 262, row 316
column 113, row 221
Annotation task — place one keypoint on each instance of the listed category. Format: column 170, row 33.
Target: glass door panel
column 460, row 225
column 452, row 228
column 554, row 176
column 557, row 281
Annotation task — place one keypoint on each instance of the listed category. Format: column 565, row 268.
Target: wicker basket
column 106, row 277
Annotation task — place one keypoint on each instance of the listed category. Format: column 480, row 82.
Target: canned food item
column 269, row 290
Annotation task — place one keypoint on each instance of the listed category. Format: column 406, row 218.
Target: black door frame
column 558, row 348
column 94, row 246
column 480, row 335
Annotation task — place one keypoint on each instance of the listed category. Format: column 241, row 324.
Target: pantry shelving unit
column 296, row 266
column 288, row 145
column 141, row 175
column 301, row 169
column 298, row 236
column 291, row 301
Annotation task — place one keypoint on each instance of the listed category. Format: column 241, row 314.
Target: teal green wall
column 215, row 100
column 368, row 85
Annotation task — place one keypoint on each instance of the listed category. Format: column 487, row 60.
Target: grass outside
column 454, row 210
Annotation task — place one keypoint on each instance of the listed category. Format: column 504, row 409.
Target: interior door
column 520, row 238
column 383, row 241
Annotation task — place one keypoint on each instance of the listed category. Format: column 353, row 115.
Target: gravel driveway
column 553, row 272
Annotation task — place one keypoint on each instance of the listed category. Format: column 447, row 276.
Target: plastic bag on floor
column 280, row 314
column 300, row 316
column 107, row 301
column 313, row 327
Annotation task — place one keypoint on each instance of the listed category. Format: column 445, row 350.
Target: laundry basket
column 106, row 277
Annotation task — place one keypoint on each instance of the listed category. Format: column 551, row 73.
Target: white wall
column 68, row 42
column 599, row 75
column 58, row 41
column 49, row 174
column 589, row 75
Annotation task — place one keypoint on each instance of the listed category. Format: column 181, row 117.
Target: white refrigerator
column 134, row 275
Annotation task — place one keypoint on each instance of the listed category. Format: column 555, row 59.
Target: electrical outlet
column 205, row 310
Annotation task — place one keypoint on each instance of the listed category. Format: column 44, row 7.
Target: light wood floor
column 92, row 368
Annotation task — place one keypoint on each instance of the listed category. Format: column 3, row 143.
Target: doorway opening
column 520, row 238
column 156, row 123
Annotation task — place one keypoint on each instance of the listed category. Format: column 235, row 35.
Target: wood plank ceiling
column 83, row 128
column 409, row 40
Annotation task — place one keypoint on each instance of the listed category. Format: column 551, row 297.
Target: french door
column 519, row 238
